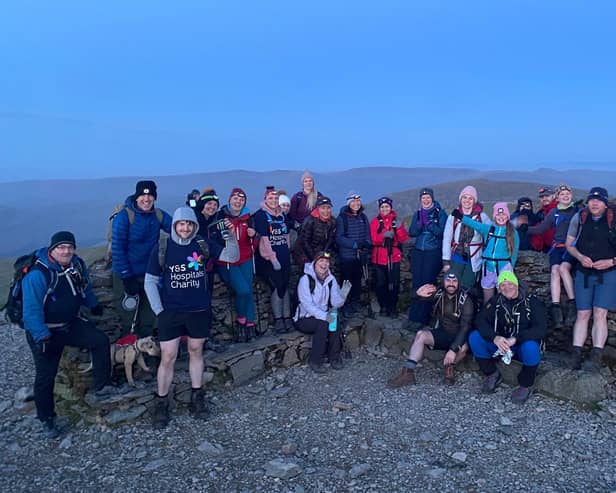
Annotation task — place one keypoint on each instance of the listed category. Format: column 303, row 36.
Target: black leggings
column 322, row 339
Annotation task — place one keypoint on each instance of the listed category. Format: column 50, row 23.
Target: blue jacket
column 131, row 244
column 357, row 235
column 429, row 236
column 496, row 254
column 61, row 305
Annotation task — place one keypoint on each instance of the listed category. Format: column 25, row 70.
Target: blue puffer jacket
column 62, row 304
column 131, row 244
column 357, row 235
column 429, row 236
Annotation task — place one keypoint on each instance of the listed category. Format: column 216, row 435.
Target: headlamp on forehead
column 450, row 276
column 354, row 197
column 500, row 210
column 564, row 188
column 241, row 195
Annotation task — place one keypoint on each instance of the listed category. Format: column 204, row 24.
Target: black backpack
column 14, row 304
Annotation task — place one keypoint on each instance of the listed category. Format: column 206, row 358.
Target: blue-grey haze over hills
column 32, row 210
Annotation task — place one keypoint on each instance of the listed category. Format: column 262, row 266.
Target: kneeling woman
column 183, row 307
column 319, row 296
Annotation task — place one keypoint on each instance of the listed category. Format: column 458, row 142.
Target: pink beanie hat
column 502, row 207
column 469, row 190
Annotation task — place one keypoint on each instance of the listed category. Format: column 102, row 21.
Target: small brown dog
column 130, row 349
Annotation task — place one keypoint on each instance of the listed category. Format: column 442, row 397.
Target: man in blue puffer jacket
column 135, row 232
column 53, row 292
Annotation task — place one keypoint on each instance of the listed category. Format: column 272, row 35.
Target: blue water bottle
column 334, row 323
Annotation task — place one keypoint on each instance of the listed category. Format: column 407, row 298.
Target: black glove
column 43, row 344
column 523, row 227
column 131, row 285
column 97, row 310
column 457, row 214
column 365, row 245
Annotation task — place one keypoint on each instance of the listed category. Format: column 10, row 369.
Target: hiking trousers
column 386, row 278
column 79, row 333
column 239, row 277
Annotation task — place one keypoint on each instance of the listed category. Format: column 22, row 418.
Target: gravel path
column 294, row 431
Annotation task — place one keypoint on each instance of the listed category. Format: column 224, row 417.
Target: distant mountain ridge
column 32, row 210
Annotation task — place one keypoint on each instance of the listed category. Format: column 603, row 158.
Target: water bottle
column 334, row 323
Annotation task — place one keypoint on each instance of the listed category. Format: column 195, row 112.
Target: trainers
column 197, row 406
column 50, row 428
column 288, row 324
column 491, row 382
column 279, row 326
column 336, row 364
column 160, row 413
column 449, row 375
column 520, row 395
column 405, row 377
column 241, row 334
column 317, row 367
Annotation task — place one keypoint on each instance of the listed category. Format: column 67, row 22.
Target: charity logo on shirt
column 189, row 274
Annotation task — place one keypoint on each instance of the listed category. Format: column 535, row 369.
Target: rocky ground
column 294, row 431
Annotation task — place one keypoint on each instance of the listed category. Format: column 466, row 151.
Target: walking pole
column 251, row 222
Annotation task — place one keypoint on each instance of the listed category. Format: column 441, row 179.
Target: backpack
column 611, row 235
column 131, row 219
column 454, row 244
column 22, row 266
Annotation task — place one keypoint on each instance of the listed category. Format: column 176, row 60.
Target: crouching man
column 453, row 311
column 54, row 290
column 512, row 323
column 183, row 307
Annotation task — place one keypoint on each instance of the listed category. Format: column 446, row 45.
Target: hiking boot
column 491, row 382
column 197, row 406
column 571, row 314
column 520, row 395
column 336, row 364
column 241, row 334
column 50, row 428
column 557, row 316
column 160, row 413
column 279, row 326
column 317, row 367
column 288, row 324
column 593, row 364
column 576, row 360
column 449, row 375
column 405, row 377
column 107, row 391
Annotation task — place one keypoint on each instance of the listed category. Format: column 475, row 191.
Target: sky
column 116, row 88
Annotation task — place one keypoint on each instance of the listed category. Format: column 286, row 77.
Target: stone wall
column 239, row 363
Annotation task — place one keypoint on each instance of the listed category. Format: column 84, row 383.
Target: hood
column 184, row 214
column 315, row 213
column 227, row 211
column 42, row 254
column 392, row 214
column 309, row 270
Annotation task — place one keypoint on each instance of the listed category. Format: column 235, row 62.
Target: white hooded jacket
column 316, row 304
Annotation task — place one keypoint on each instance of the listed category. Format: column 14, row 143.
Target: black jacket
column 523, row 318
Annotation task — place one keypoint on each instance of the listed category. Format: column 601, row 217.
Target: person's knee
column 195, row 348
column 563, row 269
column 531, row 353
column 168, row 357
column 583, row 315
column 599, row 314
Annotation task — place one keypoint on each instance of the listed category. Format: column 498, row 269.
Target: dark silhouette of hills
column 32, row 210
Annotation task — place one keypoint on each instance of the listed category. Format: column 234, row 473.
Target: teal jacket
column 496, row 255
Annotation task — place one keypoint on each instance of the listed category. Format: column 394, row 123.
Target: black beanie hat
column 62, row 237
column 523, row 200
column 146, row 187
column 599, row 193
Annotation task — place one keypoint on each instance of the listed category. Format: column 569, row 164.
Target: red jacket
column 240, row 223
column 378, row 227
column 543, row 242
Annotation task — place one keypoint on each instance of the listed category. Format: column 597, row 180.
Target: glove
column 97, row 310
column 457, row 214
column 523, row 227
column 43, row 344
column 365, row 245
column 345, row 289
column 131, row 285
column 276, row 265
column 388, row 234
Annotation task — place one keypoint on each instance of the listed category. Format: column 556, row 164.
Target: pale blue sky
column 142, row 88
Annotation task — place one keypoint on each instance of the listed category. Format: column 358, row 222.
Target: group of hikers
column 481, row 305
